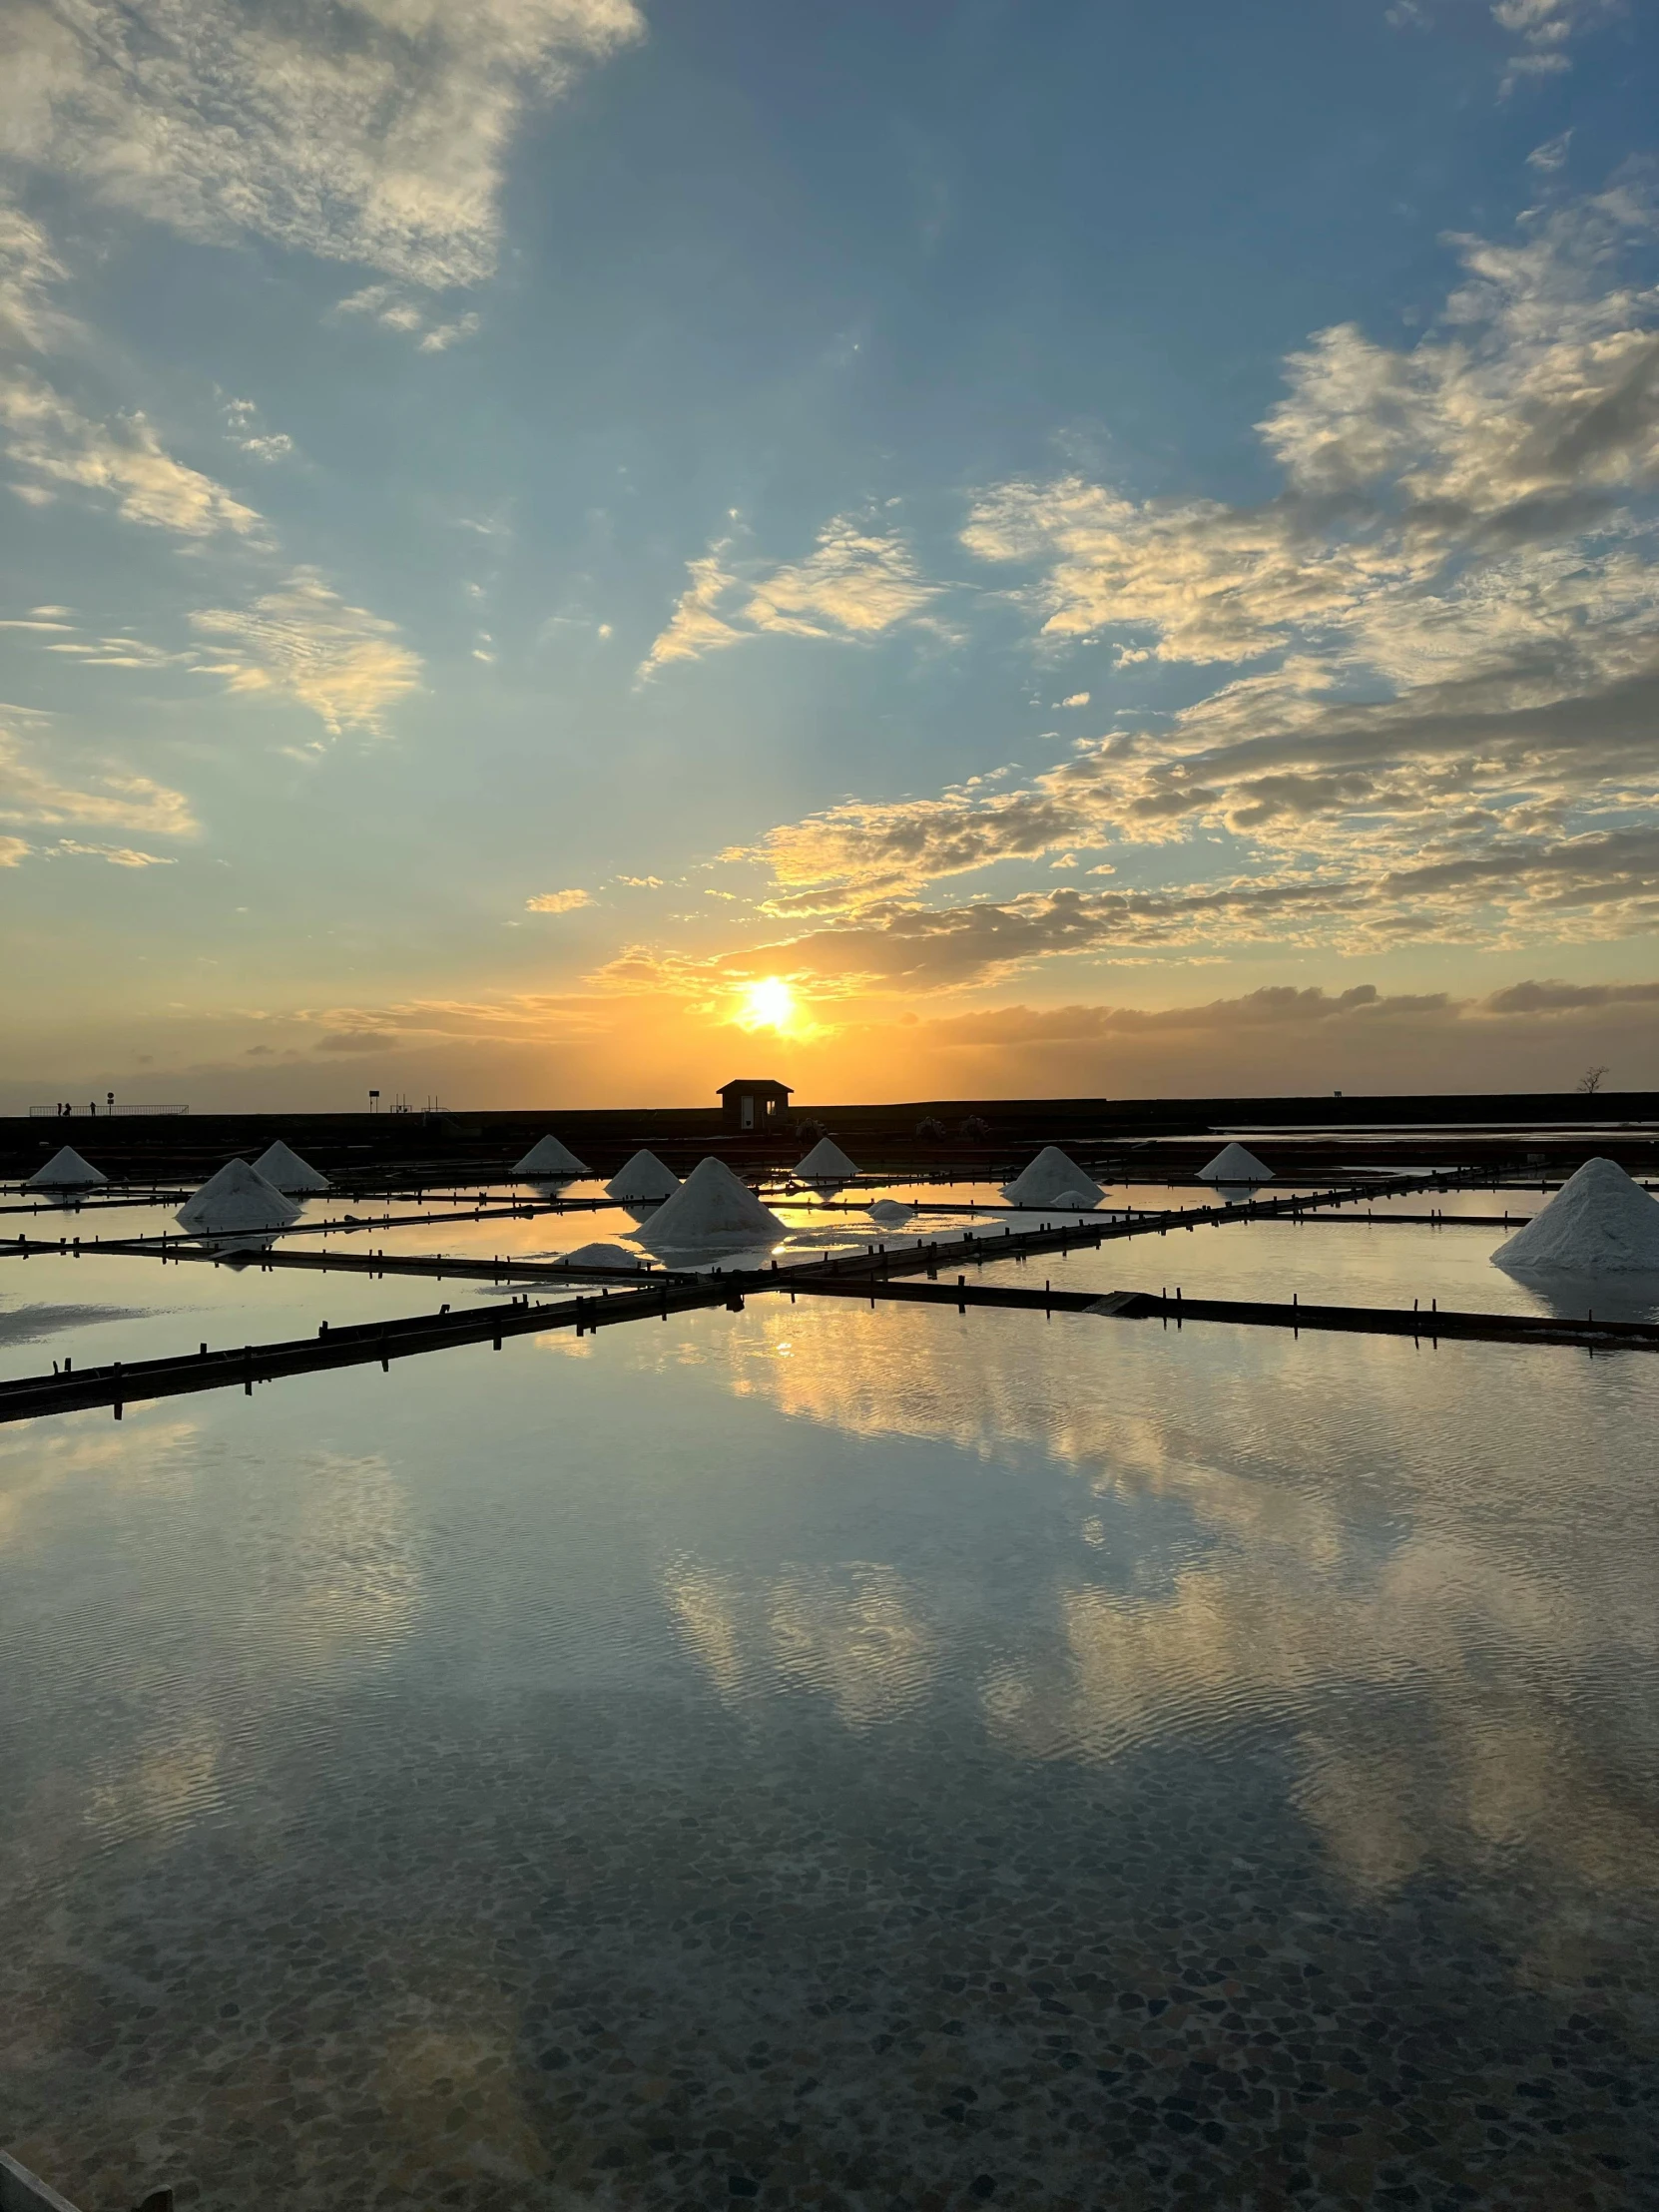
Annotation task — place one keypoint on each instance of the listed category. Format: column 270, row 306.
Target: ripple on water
column 856, row 1754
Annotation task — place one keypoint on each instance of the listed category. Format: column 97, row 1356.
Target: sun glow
column 769, row 1005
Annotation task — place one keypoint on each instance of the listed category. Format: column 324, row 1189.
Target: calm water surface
column 836, row 1758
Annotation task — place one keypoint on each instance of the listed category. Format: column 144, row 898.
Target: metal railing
column 100, row 1113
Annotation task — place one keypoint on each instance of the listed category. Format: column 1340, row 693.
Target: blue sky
column 1103, row 548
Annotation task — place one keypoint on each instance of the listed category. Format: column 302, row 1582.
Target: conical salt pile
column 603, row 1256
column 235, row 1202
column 1235, row 1164
column 286, row 1171
column 65, row 1171
column 1049, row 1174
column 711, row 1205
column 1074, row 1202
column 891, row 1212
column 642, row 1181
column 551, row 1161
column 825, row 1162
column 1598, row 1223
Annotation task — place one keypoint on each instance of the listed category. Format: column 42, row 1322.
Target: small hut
column 753, row 1102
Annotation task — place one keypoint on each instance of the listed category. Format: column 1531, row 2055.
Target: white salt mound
column 65, row 1171
column 825, row 1162
column 286, row 1171
column 711, row 1205
column 1050, row 1174
column 235, row 1202
column 552, row 1160
column 603, row 1256
column 1598, row 1223
column 1234, row 1163
column 891, row 1212
column 1074, row 1202
column 643, row 1181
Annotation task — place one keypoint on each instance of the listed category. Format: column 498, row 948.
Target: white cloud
column 1411, row 475
column 31, row 794
column 300, row 639
column 304, row 642
column 28, row 270
column 559, row 903
column 854, row 584
column 1523, row 891
column 1210, row 583
column 1544, row 28
column 442, row 335
column 117, row 652
column 370, row 131
column 1440, row 643
column 241, row 426
column 117, row 856
column 396, row 308
column 123, row 460
column 696, row 627
column 1551, row 156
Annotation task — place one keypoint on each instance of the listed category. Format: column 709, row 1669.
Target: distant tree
column 1591, row 1081
column 977, row 1129
column 932, row 1130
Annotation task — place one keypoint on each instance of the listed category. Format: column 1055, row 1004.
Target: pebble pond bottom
column 846, row 1759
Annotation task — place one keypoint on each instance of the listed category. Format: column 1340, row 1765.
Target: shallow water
column 835, row 1756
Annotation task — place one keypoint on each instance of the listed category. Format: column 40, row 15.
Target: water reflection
column 1272, row 1543
column 38, row 1458
column 1565, row 1295
column 747, row 1732
column 851, row 1634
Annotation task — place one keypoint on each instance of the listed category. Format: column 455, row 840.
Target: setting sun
column 769, row 1005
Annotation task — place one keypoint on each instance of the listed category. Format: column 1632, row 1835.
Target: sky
column 557, row 552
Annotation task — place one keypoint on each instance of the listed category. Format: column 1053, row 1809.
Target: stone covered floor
column 713, row 1967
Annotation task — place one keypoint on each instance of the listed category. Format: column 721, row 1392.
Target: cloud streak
column 32, row 795
column 1437, row 643
column 855, row 585
column 364, row 131
column 304, row 642
column 1544, row 29
column 125, row 461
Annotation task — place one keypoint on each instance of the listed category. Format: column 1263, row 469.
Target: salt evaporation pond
column 816, row 1756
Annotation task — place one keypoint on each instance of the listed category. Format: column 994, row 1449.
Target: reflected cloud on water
column 1427, row 1585
column 851, row 1634
column 481, row 1775
column 322, row 1579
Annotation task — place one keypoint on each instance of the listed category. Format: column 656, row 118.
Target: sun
column 769, row 1005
